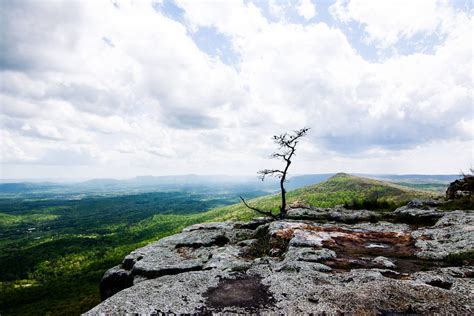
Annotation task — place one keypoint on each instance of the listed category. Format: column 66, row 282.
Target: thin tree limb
column 257, row 209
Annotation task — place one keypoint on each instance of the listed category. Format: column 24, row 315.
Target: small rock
column 383, row 262
column 309, row 254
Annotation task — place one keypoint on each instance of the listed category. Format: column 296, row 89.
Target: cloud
column 306, row 9
column 388, row 22
column 31, row 28
column 200, row 87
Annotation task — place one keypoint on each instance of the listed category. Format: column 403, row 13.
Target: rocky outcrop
column 419, row 212
column 338, row 214
column 453, row 233
column 461, row 187
column 302, row 265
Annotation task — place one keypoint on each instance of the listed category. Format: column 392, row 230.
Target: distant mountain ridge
column 146, row 183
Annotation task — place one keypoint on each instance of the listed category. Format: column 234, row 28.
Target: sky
column 117, row 89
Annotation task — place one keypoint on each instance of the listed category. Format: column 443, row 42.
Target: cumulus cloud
column 387, row 22
column 306, row 9
column 127, row 85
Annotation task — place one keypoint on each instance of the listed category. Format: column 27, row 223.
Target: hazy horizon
column 235, row 176
column 116, row 89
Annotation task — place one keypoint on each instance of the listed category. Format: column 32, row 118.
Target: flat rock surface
column 331, row 264
column 332, row 214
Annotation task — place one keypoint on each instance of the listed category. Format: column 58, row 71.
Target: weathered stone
column 425, row 203
column 463, row 219
column 418, row 215
column 461, row 187
column 237, row 235
column 210, row 226
column 226, row 258
column 454, row 233
column 253, row 224
column 302, row 266
column 128, row 262
column 243, row 292
column 388, row 296
column 381, row 227
column 382, row 262
column 177, row 294
column 332, row 268
column 283, row 227
column 305, row 238
column 166, row 261
column 439, row 280
column 308, row 213
column 113, row 281
column 247, row 243
column 309, row 254
column 195, row 238
column 228, row 225
column 338, row 214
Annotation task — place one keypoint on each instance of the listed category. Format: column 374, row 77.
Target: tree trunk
column 282, row 188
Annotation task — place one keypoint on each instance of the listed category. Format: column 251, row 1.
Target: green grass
column 463, row 203
column 337, row 190
column 56, row 268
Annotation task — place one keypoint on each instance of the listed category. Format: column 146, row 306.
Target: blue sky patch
column 169, row 9
column 215, row 44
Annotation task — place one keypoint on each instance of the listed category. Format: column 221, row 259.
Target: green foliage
column 462, row 203
column 344, row 188
column 54, row 252
column 429, row 186
column 372, row 204
column 460, row 258
column 261, row 246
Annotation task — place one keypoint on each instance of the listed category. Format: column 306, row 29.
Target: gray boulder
column 382, row 262
column 419, row 215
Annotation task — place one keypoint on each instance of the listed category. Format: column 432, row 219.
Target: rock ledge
column 317, row 261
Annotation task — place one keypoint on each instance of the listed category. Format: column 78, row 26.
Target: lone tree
column 287, row 147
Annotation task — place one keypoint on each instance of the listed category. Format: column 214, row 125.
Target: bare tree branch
column 257, row 209
column 278, row 155
column 269, row 172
